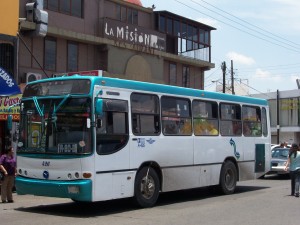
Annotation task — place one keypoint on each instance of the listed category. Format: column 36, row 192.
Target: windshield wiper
column 55, row 109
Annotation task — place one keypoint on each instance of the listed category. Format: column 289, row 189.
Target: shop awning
column 8, row 86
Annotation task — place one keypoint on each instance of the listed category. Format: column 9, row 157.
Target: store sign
column 289, row 104
column 5, row 107
column 9, row 17
column 139, row 37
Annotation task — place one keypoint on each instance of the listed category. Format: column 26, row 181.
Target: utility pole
column 223, row 67
column 278, row 120
column 232, row 78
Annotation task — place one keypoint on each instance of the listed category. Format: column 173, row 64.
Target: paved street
column 263, row 201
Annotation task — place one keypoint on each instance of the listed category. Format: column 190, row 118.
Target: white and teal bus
column 97, row 138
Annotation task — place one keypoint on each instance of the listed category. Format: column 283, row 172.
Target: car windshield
column 280, row 153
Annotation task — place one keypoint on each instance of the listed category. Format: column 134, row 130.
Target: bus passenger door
column 112, row 151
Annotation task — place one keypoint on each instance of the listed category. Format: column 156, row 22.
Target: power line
column 275, row 67
column 254, row 89
column 246, row 22
column 271, row 42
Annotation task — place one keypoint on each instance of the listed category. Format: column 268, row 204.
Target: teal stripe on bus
column 188, row 92
column 164, row 89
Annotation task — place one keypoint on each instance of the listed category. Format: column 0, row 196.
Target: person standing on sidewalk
column 8, row 166
column 294, row 163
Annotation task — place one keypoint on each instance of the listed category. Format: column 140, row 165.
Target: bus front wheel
column 146, row 187
column 228, row 178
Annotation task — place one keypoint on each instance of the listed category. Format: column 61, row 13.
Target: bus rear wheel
column 228, row 178
column 146, row 187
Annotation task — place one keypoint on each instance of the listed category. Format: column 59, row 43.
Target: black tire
column 228, row 178
column 146, row 188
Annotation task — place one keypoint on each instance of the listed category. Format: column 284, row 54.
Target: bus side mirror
column 99, row 107
column 9, row 122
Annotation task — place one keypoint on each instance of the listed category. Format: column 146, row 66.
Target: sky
column 261, row 37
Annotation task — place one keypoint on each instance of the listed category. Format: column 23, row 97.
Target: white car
column 278, row 146
column 279, row 160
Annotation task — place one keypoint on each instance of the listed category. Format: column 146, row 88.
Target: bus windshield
column 57, row 126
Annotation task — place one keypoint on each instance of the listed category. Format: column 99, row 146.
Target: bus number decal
column 142, row 142
column 46, row 163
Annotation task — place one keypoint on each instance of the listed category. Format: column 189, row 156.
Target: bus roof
column 162, row 88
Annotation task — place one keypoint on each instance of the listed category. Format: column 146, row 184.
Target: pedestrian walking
column 8, row 166
column 294, row 164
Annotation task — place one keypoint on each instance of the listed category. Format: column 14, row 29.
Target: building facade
column 121, row 38
column 284, row 115
column 124, row 39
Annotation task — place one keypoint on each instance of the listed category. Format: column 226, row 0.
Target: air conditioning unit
column 59, row 75
column 32, row 77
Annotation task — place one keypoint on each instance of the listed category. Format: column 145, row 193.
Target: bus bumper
column 78, row 190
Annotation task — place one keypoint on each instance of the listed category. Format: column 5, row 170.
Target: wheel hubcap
column 147, row 187
column 229, row 178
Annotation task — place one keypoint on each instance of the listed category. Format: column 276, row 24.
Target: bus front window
column 57, row 126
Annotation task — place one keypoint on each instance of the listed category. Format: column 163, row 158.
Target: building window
column 162, row 24
column 69, row 7
column 65, row 6
column 169, row 26
column 72, row 57
column 50, row 54
column 172, row 74
column 186, row 76
column 193, row 40
column 126, row 15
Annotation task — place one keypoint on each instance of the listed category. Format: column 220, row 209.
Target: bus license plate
column 67, row 148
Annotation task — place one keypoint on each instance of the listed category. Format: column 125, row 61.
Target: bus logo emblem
column 150, row 141
column 236, row 153
column 46, row 174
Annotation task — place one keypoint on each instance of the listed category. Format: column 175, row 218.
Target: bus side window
column 176, row 116
column 145, row 114
column 264, row 122
column 230, row 121
column 252, row 125
column 205, row 117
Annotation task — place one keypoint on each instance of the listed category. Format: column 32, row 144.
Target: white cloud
column 208, row 21
column 263, row 75
column 240, row 59
column 259, row 73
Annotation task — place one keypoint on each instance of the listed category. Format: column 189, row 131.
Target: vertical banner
column 8, row 85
